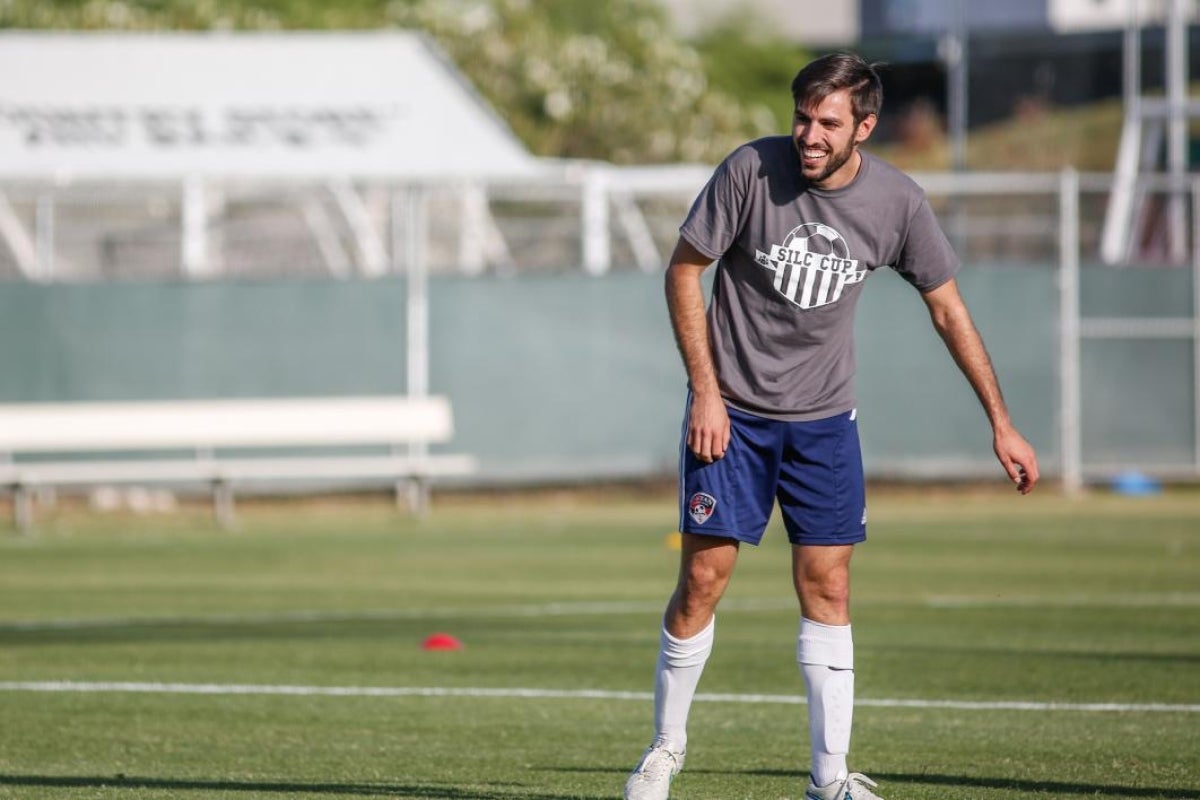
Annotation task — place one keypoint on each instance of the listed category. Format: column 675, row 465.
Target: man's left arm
column 953, row 323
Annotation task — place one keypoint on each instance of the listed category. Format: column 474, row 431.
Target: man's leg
column 706, row 564
column 822, row 499
column 722, row 503
column 825, row 652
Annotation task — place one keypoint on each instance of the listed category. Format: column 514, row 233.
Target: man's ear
column 864, row 128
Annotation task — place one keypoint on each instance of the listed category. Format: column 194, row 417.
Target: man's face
column 826, row 138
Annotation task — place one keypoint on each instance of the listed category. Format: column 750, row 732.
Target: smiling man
column 796, row 225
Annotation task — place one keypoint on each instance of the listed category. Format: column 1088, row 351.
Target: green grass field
column 1036, row 608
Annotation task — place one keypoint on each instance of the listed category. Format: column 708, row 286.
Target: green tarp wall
column 576, row 378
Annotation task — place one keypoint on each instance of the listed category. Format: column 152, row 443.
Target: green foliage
column 584, row 80
column 743, row 59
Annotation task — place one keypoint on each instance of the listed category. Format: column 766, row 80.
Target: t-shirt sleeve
column 714, row 221
column 927, row 260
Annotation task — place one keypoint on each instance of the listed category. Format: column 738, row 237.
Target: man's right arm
column 708, row 421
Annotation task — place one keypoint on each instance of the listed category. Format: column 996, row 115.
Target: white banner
column 381, row 105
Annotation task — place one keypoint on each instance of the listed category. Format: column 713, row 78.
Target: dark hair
column 838, row 71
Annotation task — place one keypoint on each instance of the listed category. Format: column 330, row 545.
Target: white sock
column 677, row 673
column 826, row 657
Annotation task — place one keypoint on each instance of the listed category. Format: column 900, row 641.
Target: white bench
column 100, row 444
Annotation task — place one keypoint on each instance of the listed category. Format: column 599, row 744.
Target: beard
column 833, row 161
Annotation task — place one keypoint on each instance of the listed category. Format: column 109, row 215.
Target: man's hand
column 1017, row 457
column 708, row 428
column 708, row 421
column 953, row 323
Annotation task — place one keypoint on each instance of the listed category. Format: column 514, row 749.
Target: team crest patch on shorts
column 701, row 506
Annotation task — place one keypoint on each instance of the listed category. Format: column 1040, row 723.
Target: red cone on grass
column 441, row 641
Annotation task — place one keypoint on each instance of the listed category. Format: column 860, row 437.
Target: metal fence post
column 44, row 236
column 417, row 310
column 1196, row 323
column 194, row 219
column 1070, row 440
column 597, row 249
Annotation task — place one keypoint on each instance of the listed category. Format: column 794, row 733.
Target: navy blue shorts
column 813, row 469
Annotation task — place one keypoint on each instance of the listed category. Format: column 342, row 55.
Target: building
column 1056, row 52
column 842, row 22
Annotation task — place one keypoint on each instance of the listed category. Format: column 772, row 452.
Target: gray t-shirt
column 792, row 260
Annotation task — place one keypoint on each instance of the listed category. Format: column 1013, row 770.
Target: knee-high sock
column 680, row 663
column 826, row 657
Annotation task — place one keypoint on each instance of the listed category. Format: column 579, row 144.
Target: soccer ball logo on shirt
column 813, row 266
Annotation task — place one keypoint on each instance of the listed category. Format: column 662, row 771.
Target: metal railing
column 601, row 219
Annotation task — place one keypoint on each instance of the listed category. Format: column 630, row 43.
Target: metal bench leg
column 223, row 504
column 22, row 500
column 418, row 496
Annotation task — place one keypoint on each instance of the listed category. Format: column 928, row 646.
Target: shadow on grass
column 1042, row 787
column 159, row 631
column 1024, row 787
column 395, row 790
column 1181, row 657
column 364, row 626
column 371, row 625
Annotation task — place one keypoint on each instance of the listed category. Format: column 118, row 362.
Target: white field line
column 561, row 694
column 534, row 610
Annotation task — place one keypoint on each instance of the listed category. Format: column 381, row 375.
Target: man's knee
column 700, row 588
column 822, row 578
column 704, row 573
column 705, row 576
column 831, row 588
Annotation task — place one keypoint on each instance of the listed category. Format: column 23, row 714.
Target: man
column 796, row 225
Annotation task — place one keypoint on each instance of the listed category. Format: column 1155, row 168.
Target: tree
column 589, row 80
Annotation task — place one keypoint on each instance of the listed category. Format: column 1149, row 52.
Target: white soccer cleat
column 651, row 778
column 854, row 786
